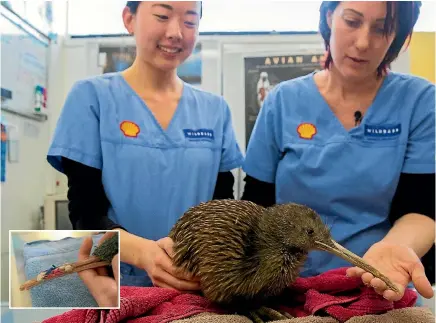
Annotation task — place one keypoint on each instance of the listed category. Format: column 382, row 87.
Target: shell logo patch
column 306, row 130
column 129, row 129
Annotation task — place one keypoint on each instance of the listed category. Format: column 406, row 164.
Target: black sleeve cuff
column 259, row 192
column 415, row 194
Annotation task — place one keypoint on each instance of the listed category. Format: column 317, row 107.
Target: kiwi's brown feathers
column 234, row 248
column 107, row 250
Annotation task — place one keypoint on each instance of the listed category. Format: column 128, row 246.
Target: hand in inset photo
column 102, row 282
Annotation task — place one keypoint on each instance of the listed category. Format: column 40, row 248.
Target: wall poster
column 116, row 59
column 263, row 73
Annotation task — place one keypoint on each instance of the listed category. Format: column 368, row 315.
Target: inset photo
column 64, row 269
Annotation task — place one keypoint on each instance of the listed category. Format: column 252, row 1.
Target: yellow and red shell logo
column 129, row 129
column 306, row 130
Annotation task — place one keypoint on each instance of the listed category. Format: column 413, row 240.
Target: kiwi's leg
column 254, row 317
column 287, row 315
column 266, row 314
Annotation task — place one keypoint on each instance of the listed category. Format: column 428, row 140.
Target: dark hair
column 133, row 6
column 401, row 17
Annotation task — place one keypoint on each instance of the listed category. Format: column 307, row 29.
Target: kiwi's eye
column 310, row 232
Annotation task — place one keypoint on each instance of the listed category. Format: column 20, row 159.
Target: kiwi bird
column 245, row 254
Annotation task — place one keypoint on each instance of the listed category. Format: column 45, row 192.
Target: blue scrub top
column 151, row 176
column 348, row 177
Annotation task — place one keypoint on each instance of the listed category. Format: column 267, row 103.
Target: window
column 97, row 17
column 88, row 18
column 38, row 13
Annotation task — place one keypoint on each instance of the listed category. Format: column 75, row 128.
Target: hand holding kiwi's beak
column 400, row 264
column 377, row 284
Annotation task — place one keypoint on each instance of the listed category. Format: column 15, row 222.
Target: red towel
column 142, row 305
column 339, row 296
column 332, row 292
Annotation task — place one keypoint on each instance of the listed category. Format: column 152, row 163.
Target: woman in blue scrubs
column 356, row 142
column 140, row 147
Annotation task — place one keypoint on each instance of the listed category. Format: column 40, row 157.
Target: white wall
column 23, row 193
column 27, row 181
column 66, row 71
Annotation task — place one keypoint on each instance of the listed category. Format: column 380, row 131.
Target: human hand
column 159, row 266
column 400, row 264
column 103, row 288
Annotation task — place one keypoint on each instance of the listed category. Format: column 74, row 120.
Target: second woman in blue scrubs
column 356, row 142
column 140, row 147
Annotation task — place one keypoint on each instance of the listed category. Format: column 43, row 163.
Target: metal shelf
column 33, row 116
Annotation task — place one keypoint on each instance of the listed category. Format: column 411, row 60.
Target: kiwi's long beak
column 347, row 255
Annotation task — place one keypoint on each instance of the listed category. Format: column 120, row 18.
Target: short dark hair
column 401, row 17
column 133, row 6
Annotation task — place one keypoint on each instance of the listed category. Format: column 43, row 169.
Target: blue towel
column 67, row 291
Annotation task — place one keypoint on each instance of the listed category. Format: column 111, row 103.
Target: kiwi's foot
column 266, row 314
